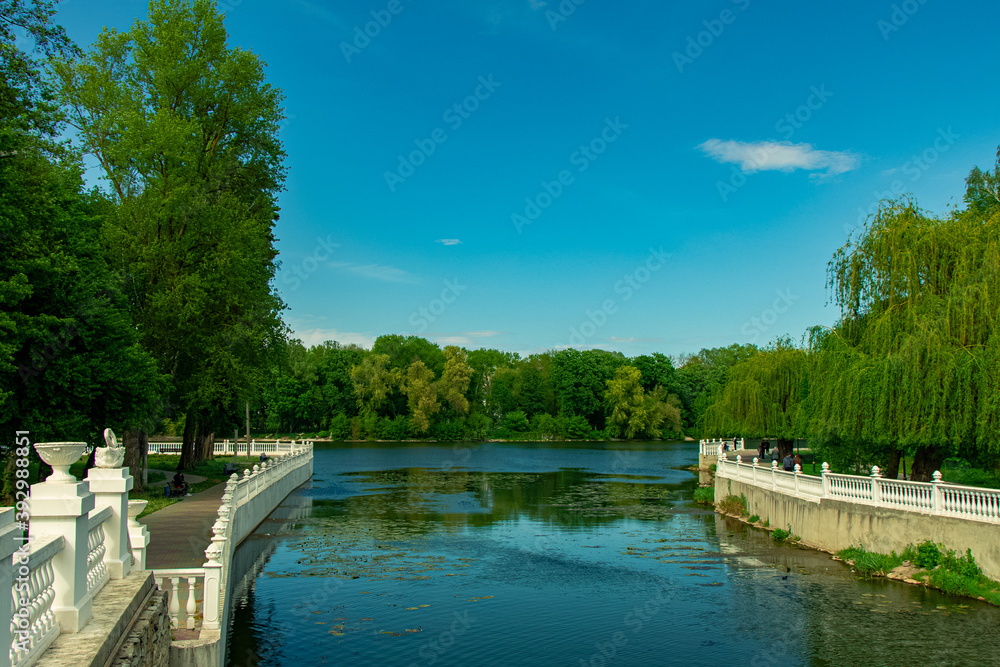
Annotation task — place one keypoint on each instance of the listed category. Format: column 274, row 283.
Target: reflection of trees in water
column 246, row 646
column 439, row 499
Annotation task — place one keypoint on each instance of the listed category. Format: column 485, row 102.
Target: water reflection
column 562, row 554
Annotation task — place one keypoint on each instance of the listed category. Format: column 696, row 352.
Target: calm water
column 560, row 554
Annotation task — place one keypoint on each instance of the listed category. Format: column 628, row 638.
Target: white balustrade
column 33, row 625
column 97, row 569
column 937, row 497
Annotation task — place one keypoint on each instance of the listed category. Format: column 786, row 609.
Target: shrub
column 705, row 496
column 928, row 556
column 767, row 523
column 712, row 467
column 870, row 563
column 754, row 519
column 780, row 534
column 734, row 505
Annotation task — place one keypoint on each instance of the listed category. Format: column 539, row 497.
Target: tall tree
column 185, row 130
column 70, row 363
column 762, row 397
column 911, row 366
column 418, row 385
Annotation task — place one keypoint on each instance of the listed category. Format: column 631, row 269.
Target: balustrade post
column 937, row 497
column 826, row 481
column 110, row 487
column 62, row 507
column 774, row 475
column 211, row 594
column 798, row 473
column 9, row 543
column 138, row 534
column 876, row 487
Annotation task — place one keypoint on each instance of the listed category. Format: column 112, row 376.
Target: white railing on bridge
column 226, row 447
column 714, row 447
column 198, row 595
column 937, row 497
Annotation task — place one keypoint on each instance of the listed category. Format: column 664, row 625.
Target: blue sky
column 642, row 177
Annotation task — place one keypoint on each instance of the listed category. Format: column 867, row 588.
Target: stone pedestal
column 63, row 509
column 110, row 487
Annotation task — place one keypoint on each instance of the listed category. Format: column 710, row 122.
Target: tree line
column 409, row 387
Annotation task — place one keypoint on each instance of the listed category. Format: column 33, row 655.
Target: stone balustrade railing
column 937, row 497
column 713, row 447
column 75, row 539
column 200, row 593
column 225, row 448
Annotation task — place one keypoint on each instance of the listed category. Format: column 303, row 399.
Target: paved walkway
column 180, row 533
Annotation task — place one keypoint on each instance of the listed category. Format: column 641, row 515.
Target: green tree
column 421, row 395
column 632, row 412
column 454, row 382
column 911, row 366
column 580, row 381
column 373, row 380
column 70, row 362
column 185, row 130
column 762, row 397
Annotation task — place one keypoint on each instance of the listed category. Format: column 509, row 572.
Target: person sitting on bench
column 178, row 487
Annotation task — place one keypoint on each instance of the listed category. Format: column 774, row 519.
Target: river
column 560, row 554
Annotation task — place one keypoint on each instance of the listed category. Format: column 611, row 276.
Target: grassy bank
column 929, row 564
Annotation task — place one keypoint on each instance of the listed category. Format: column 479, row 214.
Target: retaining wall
column 833, row 525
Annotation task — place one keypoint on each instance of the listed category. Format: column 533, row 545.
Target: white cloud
column 311, row 337
column 462, row 338
column 779, row 156
column 448, row 241
column 388, row 274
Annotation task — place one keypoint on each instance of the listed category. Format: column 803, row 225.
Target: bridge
column 75, row 558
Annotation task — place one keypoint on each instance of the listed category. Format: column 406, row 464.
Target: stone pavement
column 180, row 533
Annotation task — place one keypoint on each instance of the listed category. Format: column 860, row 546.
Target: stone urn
column 111, row 456
column 60, row 455
column 135, row 508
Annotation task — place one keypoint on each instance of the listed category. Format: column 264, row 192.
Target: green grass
column 705, row 496
column 734, row 505
column 870, row 563
column 780, row 534
column 754, row 519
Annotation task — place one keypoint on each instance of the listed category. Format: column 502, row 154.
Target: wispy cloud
column 779, row 156
column 449, row 242
column 632, row 339
column 311, row 337
column 463, row 338
column 387, row 274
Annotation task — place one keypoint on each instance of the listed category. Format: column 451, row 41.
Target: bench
column 229, row 469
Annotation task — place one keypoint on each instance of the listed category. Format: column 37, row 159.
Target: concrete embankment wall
column 833, row 525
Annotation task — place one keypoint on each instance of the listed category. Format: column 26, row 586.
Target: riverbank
column 969, row 584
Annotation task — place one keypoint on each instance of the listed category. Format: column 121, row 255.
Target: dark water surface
column 560, row 554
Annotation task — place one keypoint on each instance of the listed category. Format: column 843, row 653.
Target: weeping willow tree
column 762, row 397
column 913, row 366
